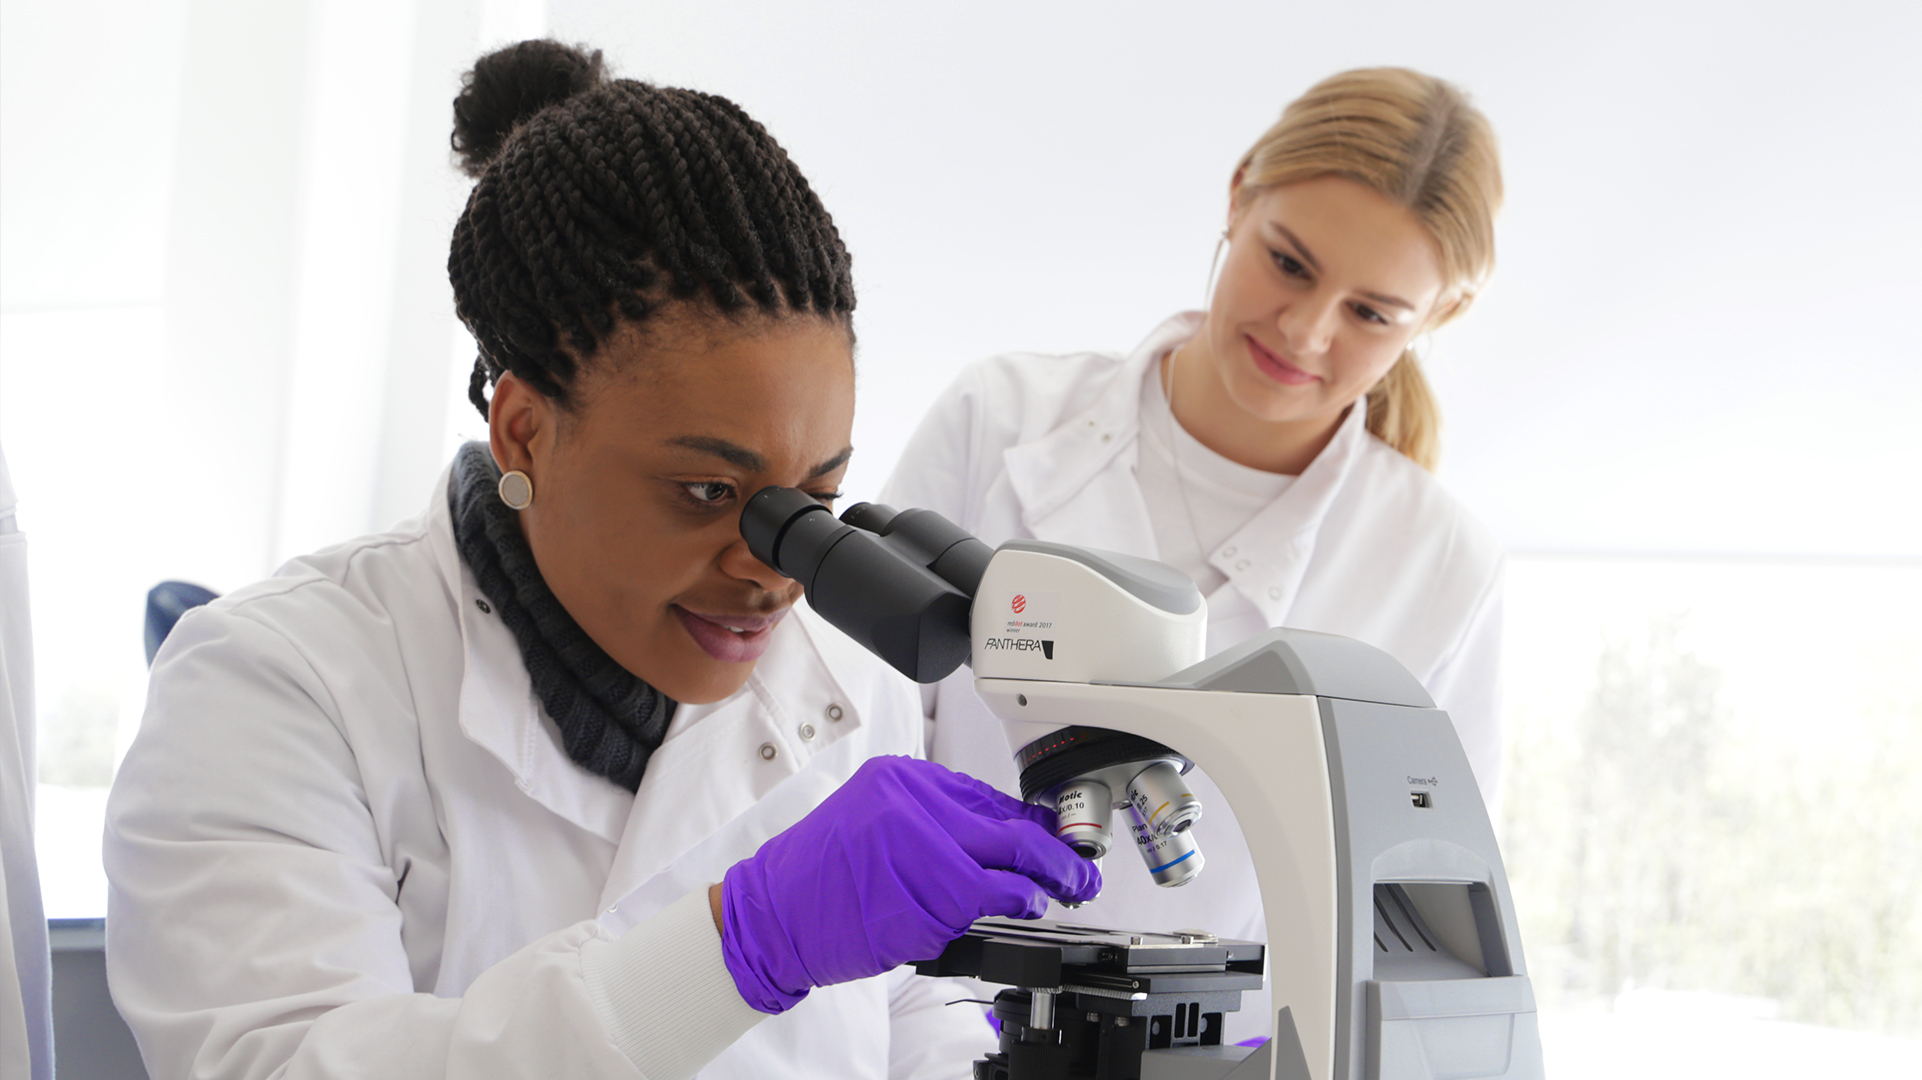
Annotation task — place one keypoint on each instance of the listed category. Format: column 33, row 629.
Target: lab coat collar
column 695, row 784
column 499, row 711
column 1267, row 558
column 1076, row 484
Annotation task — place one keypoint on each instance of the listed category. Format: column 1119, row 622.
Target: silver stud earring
column 516, row 490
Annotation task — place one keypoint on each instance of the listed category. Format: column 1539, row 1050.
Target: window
column 1706, row 825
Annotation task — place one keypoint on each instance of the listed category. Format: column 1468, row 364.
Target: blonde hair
column 1416, row 140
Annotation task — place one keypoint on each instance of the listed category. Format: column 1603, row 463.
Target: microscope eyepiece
column 873, row 517
column 927, row 539
column 766, row 519
column 877, row 591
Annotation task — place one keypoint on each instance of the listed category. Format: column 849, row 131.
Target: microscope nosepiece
column 1085, row 808
column 1137, row 776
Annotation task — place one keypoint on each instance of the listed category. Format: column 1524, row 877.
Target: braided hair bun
column 507, row 87
column 598, row 201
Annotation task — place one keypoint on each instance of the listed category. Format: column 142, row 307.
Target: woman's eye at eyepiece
column 825, row 497
column 1290, row 265
column 708, row 492
column 1370, row 315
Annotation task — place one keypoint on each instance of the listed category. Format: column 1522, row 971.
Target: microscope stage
column 1048, row 954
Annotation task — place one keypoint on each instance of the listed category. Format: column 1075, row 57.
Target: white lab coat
column 26, row 1022
column 1364, row 543
column 347, row 843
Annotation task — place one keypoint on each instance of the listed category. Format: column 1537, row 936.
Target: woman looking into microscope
column 1276, row 446
column 557, row 779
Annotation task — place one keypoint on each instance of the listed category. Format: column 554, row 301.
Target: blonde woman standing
column 1277, row 447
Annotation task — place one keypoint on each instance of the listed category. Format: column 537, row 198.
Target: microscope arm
column 1265, row 753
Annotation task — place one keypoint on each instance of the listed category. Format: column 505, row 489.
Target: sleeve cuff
column 663, row 992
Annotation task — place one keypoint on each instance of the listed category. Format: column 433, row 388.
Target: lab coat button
column 1274, row 592
column 767, row 751
column 807, row 731
column 1242, row 565
column 834, row 712
column 1228, row 552
column 482, row 605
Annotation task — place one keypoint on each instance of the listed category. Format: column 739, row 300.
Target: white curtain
column 308, row 316
column 26, row 1019
column 226, row 336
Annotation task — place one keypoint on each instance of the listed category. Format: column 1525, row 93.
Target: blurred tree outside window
column 1706, row 820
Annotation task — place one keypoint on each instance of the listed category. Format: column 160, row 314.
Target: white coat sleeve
column 1467, row 683
column 254, row 929
column 26, row 978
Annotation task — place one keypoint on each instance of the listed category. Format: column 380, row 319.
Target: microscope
column 1393, row 951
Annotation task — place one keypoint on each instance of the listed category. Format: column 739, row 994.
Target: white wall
column 230, row 218
column 1701, row 336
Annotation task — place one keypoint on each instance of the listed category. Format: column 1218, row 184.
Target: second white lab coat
column 1364, row 543
column 347, row 843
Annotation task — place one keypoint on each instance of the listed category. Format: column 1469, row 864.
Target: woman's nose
column 737, row 561
column 1307, row 326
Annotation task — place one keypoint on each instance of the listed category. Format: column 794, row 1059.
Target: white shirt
column 1202, row 498
column 1363, row 543
column 347, row 843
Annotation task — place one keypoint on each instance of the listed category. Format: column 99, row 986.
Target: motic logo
column 1020, row 604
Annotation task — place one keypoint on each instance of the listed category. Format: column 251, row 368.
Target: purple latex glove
column 888, row 870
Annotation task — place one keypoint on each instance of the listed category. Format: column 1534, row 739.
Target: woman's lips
column 731, row 639
column 1275, row 367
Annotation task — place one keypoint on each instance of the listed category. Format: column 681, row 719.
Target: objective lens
column 1161, row 797
column 1085, row 808
column 1173, row 858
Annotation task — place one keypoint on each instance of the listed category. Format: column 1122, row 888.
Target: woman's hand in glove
column 888, row 870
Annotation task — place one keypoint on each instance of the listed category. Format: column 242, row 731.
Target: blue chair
column 166, row 603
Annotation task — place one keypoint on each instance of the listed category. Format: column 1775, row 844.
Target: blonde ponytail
column 1402, row 412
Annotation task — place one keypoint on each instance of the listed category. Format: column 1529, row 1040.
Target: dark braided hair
column 600, row 200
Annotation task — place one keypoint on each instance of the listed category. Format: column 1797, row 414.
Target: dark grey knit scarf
column 610, row 721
